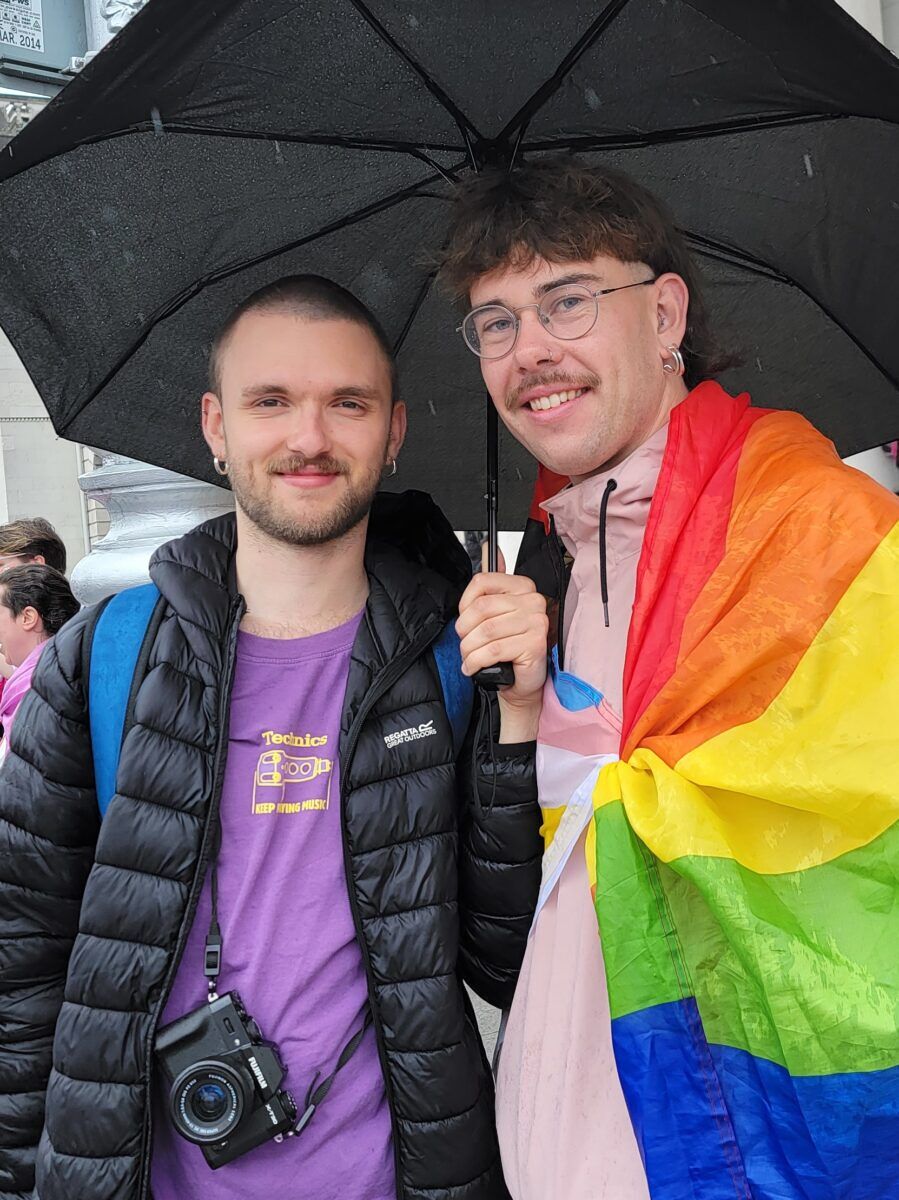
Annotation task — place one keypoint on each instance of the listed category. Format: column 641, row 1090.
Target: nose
column 535, row 347
column 308, row 434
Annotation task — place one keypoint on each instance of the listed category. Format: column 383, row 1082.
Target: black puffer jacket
column 93, row 919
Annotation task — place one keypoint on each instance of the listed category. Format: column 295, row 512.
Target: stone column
column 147, row 506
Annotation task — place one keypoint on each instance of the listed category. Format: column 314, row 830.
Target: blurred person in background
column 35, row 603
column 31, row 540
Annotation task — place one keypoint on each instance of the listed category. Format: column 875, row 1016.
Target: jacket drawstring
column 603, row 574
column 560, row 579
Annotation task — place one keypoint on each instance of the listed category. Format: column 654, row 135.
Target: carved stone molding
column 146, row 506
column 117, row 13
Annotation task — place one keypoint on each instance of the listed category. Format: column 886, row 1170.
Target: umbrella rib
column 721, row 252
column 255, row 135
column 189, row 293
column 416, row 308
column 340, row 143
column 417, row 149
column 688, row 132
column 466, row 128
column 547, row 89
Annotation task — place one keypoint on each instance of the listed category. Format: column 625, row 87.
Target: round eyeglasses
column 567, row 311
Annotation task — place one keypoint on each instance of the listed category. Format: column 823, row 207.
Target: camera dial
column 207, row 1102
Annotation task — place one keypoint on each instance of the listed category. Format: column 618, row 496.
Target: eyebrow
column 543, row 288
column 565, row 280
column 353, row 390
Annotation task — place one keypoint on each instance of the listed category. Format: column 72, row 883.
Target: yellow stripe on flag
column 551, row 819
column 759, row 793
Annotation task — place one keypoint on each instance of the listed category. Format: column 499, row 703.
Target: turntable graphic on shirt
column 293, row 775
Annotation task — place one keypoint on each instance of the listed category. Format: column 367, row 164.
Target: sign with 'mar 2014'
column 21, row 24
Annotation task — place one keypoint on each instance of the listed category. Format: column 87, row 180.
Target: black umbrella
column 215, row 146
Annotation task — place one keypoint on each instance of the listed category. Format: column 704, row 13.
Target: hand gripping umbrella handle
column 500, row 675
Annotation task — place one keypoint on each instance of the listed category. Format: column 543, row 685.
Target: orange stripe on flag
column 802, row 526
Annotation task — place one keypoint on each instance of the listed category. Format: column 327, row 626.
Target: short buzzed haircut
column 314, row 298
column 33, row 536
column 40, row 587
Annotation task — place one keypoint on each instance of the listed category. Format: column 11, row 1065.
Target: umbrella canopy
column 214, row 147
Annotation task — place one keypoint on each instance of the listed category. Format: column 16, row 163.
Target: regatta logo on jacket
column 392, row 740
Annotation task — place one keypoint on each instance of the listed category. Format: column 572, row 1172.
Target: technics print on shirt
column 292, row 774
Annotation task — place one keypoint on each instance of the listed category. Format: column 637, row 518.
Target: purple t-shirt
column 289, row 944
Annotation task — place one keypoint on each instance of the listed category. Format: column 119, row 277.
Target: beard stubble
column 314, row 529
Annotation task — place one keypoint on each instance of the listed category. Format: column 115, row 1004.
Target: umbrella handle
column 500, row 675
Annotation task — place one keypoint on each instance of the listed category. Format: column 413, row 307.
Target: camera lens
column 207, row 1101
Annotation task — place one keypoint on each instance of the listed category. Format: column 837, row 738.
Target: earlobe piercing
column 675, row 364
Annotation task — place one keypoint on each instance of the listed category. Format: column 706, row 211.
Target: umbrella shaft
column 492, row 487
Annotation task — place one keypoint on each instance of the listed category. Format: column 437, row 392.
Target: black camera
column 225, row 1093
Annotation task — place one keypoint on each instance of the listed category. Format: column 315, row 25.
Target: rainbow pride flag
column 746, row 842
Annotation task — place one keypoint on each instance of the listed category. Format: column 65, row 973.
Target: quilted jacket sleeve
column 501, row 852
column 48, row 827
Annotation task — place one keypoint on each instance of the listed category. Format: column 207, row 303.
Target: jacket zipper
column 236, row 613
column 387, row 680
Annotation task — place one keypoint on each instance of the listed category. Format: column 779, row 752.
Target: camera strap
column 212, row 965
column 315, row 1095
column 212, row 957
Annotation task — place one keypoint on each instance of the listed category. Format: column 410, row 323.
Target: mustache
column 295, row 463
column 550, row 379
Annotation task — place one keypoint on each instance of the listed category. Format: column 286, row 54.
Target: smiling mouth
column 556, row 400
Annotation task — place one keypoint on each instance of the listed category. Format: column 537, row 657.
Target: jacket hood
column 411, row 523
column 411, row 551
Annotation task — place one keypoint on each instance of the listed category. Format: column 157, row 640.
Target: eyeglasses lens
column 490, row 331
column 567, row 312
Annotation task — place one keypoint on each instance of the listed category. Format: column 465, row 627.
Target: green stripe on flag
column 642, row 963
column 800, row 968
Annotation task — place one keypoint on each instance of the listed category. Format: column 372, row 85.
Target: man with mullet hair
column 287, row 825
column 718, row 749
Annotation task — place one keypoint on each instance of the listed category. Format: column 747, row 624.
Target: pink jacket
column 15, row 690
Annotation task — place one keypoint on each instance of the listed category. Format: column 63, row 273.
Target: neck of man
column 297, row 591
column 675, row 391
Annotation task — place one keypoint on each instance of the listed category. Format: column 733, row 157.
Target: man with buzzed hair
column 288, row 826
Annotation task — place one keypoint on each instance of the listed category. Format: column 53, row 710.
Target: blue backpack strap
column 115, row 648
column 458, row 689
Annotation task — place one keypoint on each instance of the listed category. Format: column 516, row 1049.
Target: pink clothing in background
column 563, row 1125
column 14, row 691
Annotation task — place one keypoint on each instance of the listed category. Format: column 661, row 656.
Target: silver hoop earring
column 392, row 469
column 221, row 468
column 675, row 365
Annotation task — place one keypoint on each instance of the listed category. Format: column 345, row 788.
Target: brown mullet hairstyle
column 559, row 209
